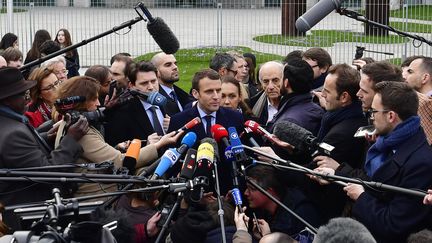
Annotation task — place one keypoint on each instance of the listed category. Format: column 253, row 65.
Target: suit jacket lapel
column 140, row 116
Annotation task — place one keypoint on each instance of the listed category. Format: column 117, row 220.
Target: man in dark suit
column 168, row 74
column 400, row 157
column 21, row 146
column 206, row 88
column 137, row 119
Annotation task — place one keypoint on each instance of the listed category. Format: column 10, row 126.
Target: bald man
column 168, row 74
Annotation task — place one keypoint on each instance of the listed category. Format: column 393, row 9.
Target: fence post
column 219, row 25
column 291, row 10
column 378, row 11
column 9, row 10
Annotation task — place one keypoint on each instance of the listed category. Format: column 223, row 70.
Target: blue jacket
column 391, row 217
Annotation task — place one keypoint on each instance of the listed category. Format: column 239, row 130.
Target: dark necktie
column 156, row 124
column 208, row 125
column 174, row 96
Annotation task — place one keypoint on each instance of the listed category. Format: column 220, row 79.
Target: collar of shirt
column 203, row 114
column 429, row 94
column 271, row 110
column 146, row 105
column 167, row 89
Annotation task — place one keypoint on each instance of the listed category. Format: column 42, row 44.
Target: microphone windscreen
column 168, row 159
column 253, row 125
column 218, row 132
column 292, row 133
column 154, row 98
column 189, row 139
column 192, row 123
column 317, row 13
column 214, row 144
column 163, row 36
column 205, row 152
column 132, row 155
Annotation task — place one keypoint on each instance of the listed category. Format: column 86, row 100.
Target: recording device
column 132, row 155
column 318, row 12
column 68, row 104
column 362, row 131
column 160, row 31
column 256, row 128
column 302, row 139
column 205, row 159
column 247, row 133
column 172, row 155
column 190, row 124
column 114, row 86
column 166, row 209
column 189, row 165
column 153, row 98
column 219, row 133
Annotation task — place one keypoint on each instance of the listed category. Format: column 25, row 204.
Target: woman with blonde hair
column 96, row 150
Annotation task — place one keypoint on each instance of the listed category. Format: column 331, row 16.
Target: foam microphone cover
column 132, row 155
column 294, row 134
column 154, row 98
column 163, row 36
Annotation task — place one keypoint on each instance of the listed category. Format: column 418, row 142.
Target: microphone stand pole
column 221, row 210
column 340, row 180
column 82, row 43
column 170, row 216
column 279, row 203
column 361, row 18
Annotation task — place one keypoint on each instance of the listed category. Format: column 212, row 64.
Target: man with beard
column 168, row 74
column 296, row 104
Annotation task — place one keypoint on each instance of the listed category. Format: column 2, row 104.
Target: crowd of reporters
column 56, row 117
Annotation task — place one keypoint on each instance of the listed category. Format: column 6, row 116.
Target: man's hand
column 241, row 220
column 354, row 190
column 123, row 146
column 321, row 99
column 324, row 171
column 264, row 226
column 152, row 228
column 266, row 150
column 153, row 138
column 207, row 198
column 283, row 144
column 325, row 161
column 428, row 198
column 167, row 139
column 166, row 122
column 79, row 128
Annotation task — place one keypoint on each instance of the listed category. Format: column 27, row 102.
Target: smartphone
column 257, row 224
column 362, row 131
column 164, row 216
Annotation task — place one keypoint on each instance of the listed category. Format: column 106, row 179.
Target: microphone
column 132, row 155
column 256, row 128
column 219, row 133
column 248, row 134
column 239, row 156
column 190, row 124
column 318, row 12
column 300, row 138
column 153, row 98
column 171, row 155
column 160, row 32
column 189, row 165
column 205, row 159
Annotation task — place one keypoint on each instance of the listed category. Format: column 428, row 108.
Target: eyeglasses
column 64, row 71
column 52, row 86
column 373, row 111
column 235, row 72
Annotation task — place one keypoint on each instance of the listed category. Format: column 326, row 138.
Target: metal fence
column 202, row 23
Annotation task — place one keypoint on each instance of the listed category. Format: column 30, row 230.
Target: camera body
column 93, row 117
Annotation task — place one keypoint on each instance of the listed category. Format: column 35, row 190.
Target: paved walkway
column 193, row 27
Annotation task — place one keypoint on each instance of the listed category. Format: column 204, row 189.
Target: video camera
column 68, row 104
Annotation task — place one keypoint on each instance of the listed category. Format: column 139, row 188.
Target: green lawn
column 192, row 60
column 327, row 38
column 16, row 10
column 422, row 12
column 412, row 27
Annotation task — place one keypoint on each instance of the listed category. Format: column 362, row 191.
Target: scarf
column 259, row 105
column 331, row 118
column 379, row 152
column 8, row 112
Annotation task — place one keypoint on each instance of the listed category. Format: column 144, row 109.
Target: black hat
column 12, row 82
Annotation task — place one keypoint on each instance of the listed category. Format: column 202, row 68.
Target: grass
column 421, row 12
column 16, row 10
column 192, row 60
column 412, row 27
column 327, row 38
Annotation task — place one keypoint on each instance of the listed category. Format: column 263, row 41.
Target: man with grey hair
column 343, row 230
column 224, row 64
column 265, row 104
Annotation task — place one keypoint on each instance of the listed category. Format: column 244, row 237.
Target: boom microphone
column 300, row 138
column 171, row 155
column 219, row 133
column 153, row 98
column 160, row 32
column 132, row 155
column 256, row 128
column 318, row 12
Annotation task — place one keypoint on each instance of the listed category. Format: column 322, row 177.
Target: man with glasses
column 224, row 64
column 58, row 64
column 400, row 157
column 320, row 61
column 21, row 146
